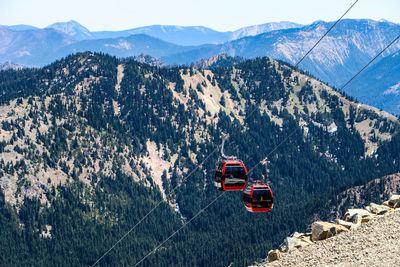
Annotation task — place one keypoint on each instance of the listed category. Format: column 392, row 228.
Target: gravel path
column 376, row 243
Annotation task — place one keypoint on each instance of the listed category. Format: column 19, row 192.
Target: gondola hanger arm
column 265, row 162
column 224, row 137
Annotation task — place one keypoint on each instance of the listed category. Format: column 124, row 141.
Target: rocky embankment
column 363, row 237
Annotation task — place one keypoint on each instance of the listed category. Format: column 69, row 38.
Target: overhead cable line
column 323, row 106
column 274, row 149
column 397, row 38
column 180, row 228
column 325, row 34
column 151, row 211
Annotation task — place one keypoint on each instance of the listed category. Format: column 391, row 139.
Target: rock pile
column 320, row 230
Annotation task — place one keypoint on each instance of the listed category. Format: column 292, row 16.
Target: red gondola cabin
column 258, row 197
column 231, row 175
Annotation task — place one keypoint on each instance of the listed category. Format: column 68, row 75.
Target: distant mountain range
column 188, row 35
column 73, row 29
column 348, row 47
column 31, row 46
column 34, row 47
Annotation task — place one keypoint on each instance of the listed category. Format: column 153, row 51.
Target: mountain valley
column 90, row 143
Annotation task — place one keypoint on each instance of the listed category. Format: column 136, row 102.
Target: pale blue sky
column 220, row 15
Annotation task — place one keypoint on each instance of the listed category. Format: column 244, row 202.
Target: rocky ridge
column 376, row 190
column 366, row 237
column 147, row 59
column 221, row 60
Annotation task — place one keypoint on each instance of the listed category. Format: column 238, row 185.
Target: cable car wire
column 370, row 62
column 323, row 106
column 180, row 228
column 216, row 149
column 325, row 34
column 151, row 211
column 274, row 149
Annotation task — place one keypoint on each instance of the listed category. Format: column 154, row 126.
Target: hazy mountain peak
column 263, row 28
column 72, row 28
column 19, row 27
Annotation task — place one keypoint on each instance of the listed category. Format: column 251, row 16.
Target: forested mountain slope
column 379, row 85
column 90, row 143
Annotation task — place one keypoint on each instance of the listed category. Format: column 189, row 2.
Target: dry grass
column 157, row 165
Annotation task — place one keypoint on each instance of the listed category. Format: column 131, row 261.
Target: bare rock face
column 324, row 230
column 274, row 255
column 394, row 201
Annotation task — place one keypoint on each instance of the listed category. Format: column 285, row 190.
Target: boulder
column 394, row 201
column 324, row 230
column 356, row 215
column 292, row 243
column 348, row 225
column 274, row 255
column 377, row 209
column 351, row 212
